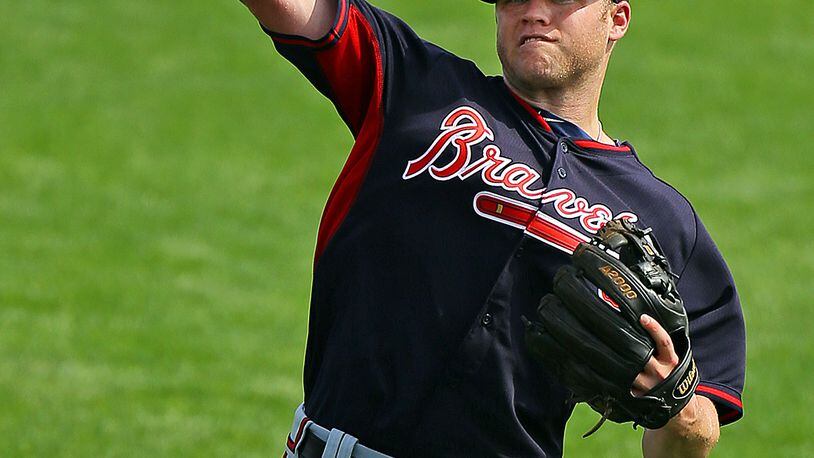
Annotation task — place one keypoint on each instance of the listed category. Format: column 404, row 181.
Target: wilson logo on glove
column 685, row 387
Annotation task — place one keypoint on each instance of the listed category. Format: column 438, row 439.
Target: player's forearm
column 307, row 18
column 691, row 433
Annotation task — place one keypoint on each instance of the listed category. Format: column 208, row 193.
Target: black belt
column 312, row 446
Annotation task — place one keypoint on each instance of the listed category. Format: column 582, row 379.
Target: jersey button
column 486, row 320
column 564, row 147
column 561, row 172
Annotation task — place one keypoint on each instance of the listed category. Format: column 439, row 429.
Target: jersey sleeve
column 717, row 330
column 361, row 62
column 367, row 65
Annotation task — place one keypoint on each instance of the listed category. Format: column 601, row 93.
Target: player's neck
column 578, row 103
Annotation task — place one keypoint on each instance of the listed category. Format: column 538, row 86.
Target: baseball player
column 462, row 197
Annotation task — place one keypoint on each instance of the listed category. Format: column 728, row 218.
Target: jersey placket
column 494, row 318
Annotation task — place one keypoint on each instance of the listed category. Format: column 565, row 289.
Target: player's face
column 545, row 44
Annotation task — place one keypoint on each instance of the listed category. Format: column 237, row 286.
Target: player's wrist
column 686, row 416
column 694, row 431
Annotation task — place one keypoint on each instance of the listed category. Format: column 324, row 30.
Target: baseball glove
column 588, row 334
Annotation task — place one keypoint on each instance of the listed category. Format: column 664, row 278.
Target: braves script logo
column 591, row 217
column 464, row 128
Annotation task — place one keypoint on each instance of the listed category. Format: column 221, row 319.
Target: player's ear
column 619, row 19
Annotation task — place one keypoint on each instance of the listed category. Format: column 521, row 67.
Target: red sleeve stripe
column 590, row 144
column 730, row 416
column 330, row 38
column 351, row 69
column 358, row 91
column 721, row 394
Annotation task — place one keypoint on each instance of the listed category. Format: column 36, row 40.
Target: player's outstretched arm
column 307, row 18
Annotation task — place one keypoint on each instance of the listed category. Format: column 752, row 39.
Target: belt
column 314, row 447
column 310, row 440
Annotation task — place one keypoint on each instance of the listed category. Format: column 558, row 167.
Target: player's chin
column 535, row 60
column 539, row 74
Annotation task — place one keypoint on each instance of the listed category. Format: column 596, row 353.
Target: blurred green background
column 163, row 170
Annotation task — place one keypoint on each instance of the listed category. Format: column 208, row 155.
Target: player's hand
column 660, row 365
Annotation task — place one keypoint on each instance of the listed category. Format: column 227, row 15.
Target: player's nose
column 538, row 11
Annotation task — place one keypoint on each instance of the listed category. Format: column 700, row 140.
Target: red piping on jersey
column 721, row 394
column 354, row 69
column 590, row 144
column 727, row 414
column 331, row 36
column 534, row 113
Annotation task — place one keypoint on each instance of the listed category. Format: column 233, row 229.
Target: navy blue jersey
column 454, row 209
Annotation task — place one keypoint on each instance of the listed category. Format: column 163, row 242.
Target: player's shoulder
column 671, row 215
column 417, row 60
column 399, row 34
column 670, row 197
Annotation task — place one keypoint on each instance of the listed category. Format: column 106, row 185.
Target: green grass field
column 163, row 170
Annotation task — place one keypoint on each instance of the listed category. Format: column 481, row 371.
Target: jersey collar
column 562, row 128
